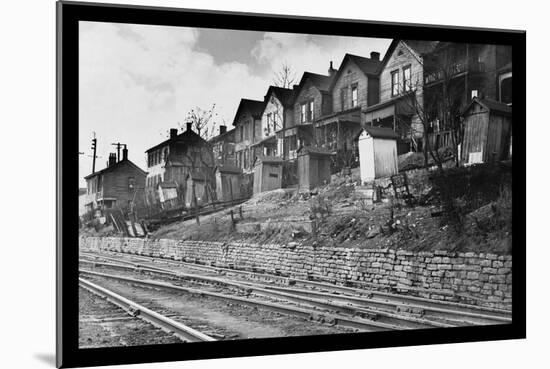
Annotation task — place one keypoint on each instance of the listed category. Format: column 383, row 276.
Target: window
column 275, row 121
column 303, row 111
column 247, row 131
column 269, row 122
column 246, row 155
column 131, row 184
column 407, row 79
column 505, row 88
column 292, row 143
column 310, row 111
column 354, row 96
column 342, row 98
column 395, row 83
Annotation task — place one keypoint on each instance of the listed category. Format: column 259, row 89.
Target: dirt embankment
column 460, row 209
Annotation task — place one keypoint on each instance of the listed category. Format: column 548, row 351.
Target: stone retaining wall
column 483, row 279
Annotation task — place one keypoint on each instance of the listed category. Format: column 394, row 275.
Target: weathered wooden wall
column 308, row 92
column 115, row 184
column 313, row 170
column 350, row 76
column 267, row 177
column 385, row 157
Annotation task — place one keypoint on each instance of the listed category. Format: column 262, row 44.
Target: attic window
column 400, row 53
column 349, row 71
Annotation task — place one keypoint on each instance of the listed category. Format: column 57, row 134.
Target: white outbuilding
column 377, row 153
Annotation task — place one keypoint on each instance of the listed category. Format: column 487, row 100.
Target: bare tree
column 440, row 106
column 285, row 77
column 201, row 119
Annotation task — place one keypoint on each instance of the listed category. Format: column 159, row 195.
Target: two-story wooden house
column 401, row 87
column 277, row 122
column 247, row 122
column 312, row 99
column 353, row 86
column 455, row 73
column 277, row 114
column 120, row 185
column 172, row 160
column 223, row 147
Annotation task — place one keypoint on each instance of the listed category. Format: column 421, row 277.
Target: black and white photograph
column 236, row 185
column 281, row 184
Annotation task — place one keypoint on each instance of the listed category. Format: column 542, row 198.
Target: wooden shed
column 377, row 153
column 313, row 167
column 228, row 182
column 487, row 131
column 268, row 173
column 168, row 193
column 197, row 189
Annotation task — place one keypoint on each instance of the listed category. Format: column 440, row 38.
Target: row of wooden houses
column 414, row 98
column 403, row 92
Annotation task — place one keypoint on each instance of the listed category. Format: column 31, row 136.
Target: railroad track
column 183, row 332
column 433, row 312
column 389, row 314
column 308, row 312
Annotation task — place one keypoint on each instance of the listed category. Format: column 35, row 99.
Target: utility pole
column 94, row 148
column 118, row 146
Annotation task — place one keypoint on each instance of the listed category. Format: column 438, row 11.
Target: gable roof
column 222, row 136
column 378, row 132
column 491, row 105
column 419, row 47
column 285, row 95
column 314, row 150
column 254, row 107
column 370, row 67
column 196, row 175
column 189, row 137
column 268, row 159
column 367, row 65
column 167, row 185
column 227, row 168
column 114, row 166
column 321, row 82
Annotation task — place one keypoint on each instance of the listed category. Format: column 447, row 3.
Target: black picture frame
column 68, row 16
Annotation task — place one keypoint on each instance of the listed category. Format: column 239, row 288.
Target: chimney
column 331, row 70
column 189, row 126
column 374, row 55
column 112, row 159
column 223, row 129
column 173, row 132
column 125, row 153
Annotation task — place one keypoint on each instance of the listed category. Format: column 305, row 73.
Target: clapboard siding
column 349, row 76
column 116, row 183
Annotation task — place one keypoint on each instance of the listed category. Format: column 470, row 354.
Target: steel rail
column 306, row 313
column 371, row 293
column 446, row 310
column 319, row 300
column 183, row 332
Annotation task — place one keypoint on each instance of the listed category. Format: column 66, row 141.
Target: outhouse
column 228, row 182
column 487, row 131
column 198, row 189
column 377, row 153
column 268, row 173
column 313, row 167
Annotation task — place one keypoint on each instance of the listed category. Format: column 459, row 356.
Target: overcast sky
column 138, row 81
